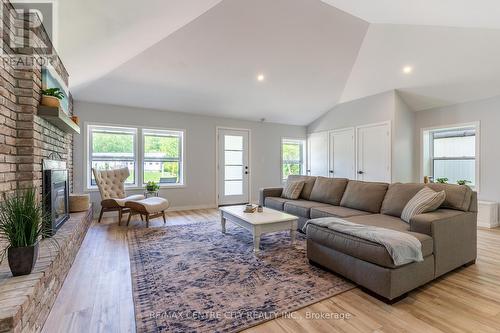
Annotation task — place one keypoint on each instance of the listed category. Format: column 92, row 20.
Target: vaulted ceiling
column 203, row 56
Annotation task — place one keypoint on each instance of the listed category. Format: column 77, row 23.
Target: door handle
column 360, row 172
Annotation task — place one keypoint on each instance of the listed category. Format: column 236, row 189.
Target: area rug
column 193, row 278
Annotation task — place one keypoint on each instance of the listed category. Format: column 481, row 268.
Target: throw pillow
column 426, row 200
column 292, row 190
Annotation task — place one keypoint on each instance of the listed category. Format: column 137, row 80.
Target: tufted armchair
column 111, row 184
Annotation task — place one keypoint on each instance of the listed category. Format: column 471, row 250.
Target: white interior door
column 374, row 152
column 317, row 154
column 342, row 154
column 233, row 168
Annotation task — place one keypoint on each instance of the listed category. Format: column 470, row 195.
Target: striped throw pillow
column 292, row 190
column 426, row 200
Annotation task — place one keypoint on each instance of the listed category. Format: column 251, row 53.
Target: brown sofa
column 447, row 235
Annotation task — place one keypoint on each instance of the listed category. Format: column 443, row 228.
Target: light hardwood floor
column 97, row 293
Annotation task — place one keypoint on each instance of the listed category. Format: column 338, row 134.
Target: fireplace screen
column 56, row 194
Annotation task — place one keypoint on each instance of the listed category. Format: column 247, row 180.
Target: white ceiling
column 451, row 13
column 93, row 37
column 450, row 65
column 202, row 56
column 304, row 48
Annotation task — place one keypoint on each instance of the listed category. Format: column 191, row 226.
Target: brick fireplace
column 25, row 138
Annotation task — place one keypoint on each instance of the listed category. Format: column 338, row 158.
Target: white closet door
column 317, row 154
column 342, row 154
column 374, row 152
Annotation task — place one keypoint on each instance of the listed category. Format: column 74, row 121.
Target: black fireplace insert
column 55, row 193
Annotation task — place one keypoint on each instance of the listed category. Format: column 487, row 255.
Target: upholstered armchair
column 111, row 184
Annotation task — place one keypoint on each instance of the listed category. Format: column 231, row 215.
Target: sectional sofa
column 448, row 235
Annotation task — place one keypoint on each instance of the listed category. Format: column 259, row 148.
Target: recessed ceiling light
column 407, row 69
column 260, row 77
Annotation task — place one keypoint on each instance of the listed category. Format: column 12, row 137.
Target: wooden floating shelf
column 58, row 118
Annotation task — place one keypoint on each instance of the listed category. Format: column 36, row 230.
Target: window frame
column 89, row 159
column 303, row 152
column 151, row 131
column 138, row 155
column 427, row 150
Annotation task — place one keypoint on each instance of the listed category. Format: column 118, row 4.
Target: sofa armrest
column 454, row 234
column 269, row 192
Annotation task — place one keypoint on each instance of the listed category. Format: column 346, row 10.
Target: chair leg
column 142, row 219
column 129, row 216
column 120, row 214
column 164, row 219
column 100, row 215
column 147, row 220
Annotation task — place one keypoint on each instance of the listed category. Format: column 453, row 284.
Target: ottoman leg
column 147, row 220
column 164, row 219
column 120, row 215
column 129, row 216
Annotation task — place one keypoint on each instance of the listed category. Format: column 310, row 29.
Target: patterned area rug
column 193, row 278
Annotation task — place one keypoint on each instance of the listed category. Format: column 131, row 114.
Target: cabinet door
column 374, row 152
column 342, row 154
column 317, row 154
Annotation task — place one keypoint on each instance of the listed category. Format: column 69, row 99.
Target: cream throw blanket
column 402, row 247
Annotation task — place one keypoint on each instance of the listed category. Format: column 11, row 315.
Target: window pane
column 291, row 151
column 291, row 169
column 162, row 146
column 112, row 144
column 233, row 142
column 109, row 165
column 233, row 157
column 455, row 170
column 455, row 147
column 233, row 172
column 162, row 172
column 233, row 187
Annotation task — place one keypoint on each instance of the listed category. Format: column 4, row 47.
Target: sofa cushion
column 328, row 190
column 397, row 197
column 457, row 196
column 275, row 202
column 308, row 185
column 363, row 249
column 367, row 196
column 335, row 211
column 292, row 189
column 301, row 208
column 426, row 200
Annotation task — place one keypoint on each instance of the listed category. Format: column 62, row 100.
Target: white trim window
column 292, row 157
column 163, row 156
column 112, row 147
column 452, row 154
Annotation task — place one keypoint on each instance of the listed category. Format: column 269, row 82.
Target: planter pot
column 22, row 259
column 50, row 101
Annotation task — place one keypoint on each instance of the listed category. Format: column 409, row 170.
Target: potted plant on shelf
column 51, row 97
column 22, row 224
column 463, row 182
column 443, row 180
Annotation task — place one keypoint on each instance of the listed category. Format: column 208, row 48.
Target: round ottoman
column 78, row 202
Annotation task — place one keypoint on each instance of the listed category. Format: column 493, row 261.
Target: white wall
column 387, row 106
column 200, row 149
column 403, row 153
column 487, row 112
column 368, row 110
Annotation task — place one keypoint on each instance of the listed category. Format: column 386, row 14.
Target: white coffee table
column 269, row 220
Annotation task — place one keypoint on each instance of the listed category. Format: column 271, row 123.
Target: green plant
column 442, row 180
column 151, row 186
column 463, row 182
column 22, row 220
column 55, row 92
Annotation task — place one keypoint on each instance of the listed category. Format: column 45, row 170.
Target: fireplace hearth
column 55, row 193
